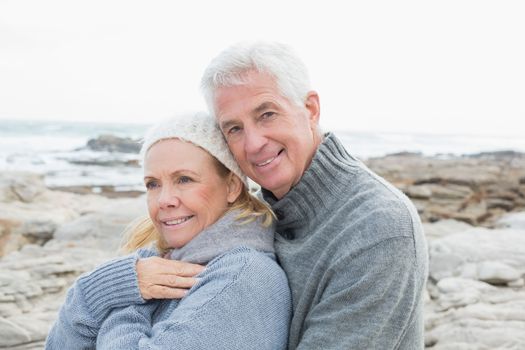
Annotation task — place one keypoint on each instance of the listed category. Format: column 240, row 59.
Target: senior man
column 351, row 244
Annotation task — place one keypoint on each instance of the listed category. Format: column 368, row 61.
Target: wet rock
column 105, row 162
column 497, row 154
column 112, row 143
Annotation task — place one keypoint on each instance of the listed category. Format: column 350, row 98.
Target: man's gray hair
column 229, row 68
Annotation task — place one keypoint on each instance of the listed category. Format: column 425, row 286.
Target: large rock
column 12, row 334
column 476, row 190
column 33, row 282
column 512, row 220
column 48, row 239
column 23, row 223
column 479, row 253
column 479, row 326
column 34, row 279
column 112, row 143
column 444, row 228
column 475, row 296
column 104, row 227
column 35, row 216
column 476, row 287
column 20, row 186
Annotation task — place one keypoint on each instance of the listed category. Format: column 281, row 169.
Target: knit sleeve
column 371, row 300
column 111, row 285
column 242, row 301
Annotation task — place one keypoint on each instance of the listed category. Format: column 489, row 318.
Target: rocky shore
column 476, row 189
column 473, row 209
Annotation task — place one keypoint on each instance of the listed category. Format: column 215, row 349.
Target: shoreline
column 105, row 191
column 475, row 188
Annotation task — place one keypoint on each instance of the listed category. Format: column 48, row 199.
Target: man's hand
column 165, row 279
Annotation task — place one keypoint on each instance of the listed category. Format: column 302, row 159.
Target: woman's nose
column 168, row 198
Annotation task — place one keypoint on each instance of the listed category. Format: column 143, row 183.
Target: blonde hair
column 141, row 232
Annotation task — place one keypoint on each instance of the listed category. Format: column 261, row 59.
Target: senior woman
column 200, row 211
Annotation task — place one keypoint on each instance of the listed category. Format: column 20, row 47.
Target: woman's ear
column 234, row 187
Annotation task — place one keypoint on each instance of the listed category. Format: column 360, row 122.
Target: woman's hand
column 165, row 279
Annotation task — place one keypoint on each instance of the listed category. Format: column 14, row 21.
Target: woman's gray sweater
column 241, row 301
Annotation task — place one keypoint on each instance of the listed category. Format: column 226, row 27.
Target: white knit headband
column 199, row 129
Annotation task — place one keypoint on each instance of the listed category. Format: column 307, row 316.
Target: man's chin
column 278, row 189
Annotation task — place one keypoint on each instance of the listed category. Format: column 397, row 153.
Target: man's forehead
column 249, row 81
column 253, row 111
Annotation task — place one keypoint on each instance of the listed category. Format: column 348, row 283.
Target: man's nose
column 254, row 140
column 169, row 197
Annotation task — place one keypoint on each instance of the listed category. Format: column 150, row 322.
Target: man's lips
column 267, row 160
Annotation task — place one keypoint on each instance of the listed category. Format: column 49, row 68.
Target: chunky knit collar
column 331, row 171
column 225, row 234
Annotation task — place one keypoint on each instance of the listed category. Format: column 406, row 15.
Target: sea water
column 58, row 151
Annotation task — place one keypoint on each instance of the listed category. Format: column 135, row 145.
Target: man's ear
column 234, row 187
column 313, row 107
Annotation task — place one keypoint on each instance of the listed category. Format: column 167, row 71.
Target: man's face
column 272, row 139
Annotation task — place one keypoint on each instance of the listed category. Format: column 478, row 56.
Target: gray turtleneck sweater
column 241, row 301
column 353, row 249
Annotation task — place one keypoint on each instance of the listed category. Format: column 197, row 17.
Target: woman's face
column 185, row 192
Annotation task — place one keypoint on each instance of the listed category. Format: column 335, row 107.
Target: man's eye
column 150, row 185
column 233, row 130
column 185, row 179
column 267, row 115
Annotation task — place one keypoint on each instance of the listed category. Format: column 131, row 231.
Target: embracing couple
column 327, row 255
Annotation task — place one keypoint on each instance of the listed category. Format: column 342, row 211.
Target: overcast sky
column 410, row 66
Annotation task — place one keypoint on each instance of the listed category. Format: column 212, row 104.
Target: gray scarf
column 223, row 235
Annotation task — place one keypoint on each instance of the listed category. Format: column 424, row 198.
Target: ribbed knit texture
column 242, row 301
column 353, row 249
column 112, row 285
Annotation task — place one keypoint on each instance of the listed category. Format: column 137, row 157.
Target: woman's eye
column 150, row 185
column 185, row 179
